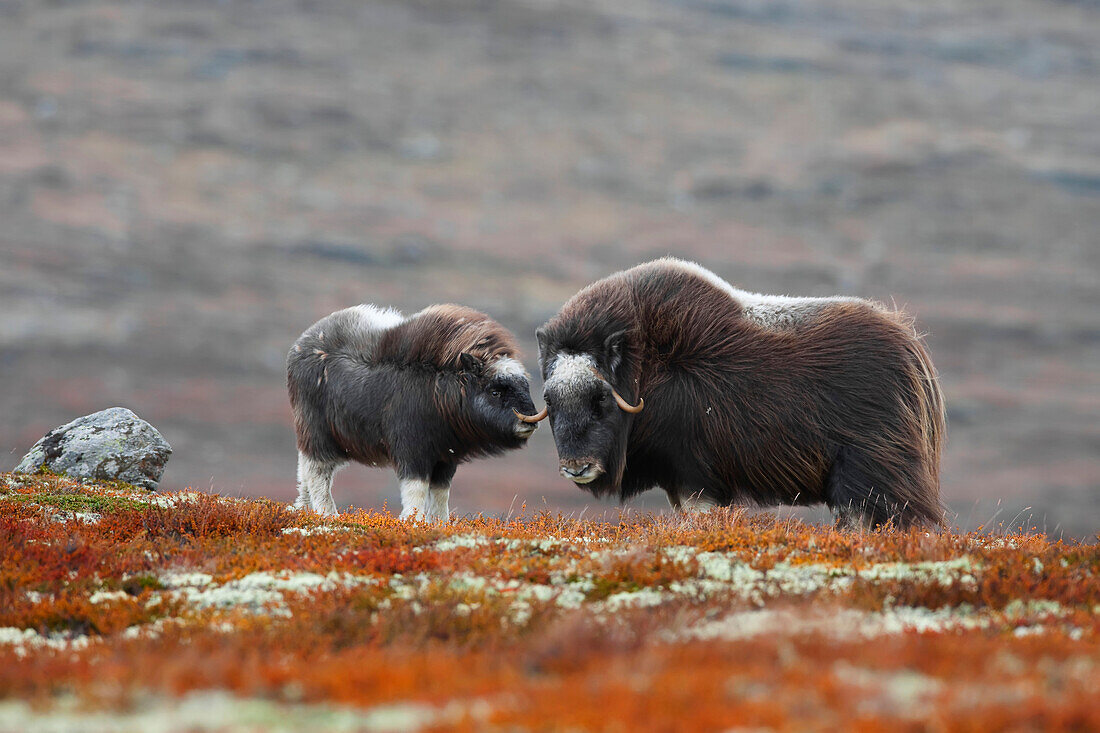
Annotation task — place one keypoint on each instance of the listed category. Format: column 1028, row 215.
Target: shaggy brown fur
column 841, row 405
column 440, row 334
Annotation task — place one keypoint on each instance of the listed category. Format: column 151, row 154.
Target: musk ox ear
column 470, row 363
column 614, row 346
column 540, row 337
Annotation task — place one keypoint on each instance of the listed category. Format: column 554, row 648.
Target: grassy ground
column 122, row 610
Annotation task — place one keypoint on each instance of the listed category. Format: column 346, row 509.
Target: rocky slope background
column 184, row 187
column 123, row 610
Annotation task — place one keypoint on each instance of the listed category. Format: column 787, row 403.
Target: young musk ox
column 421, row 394
column 748, row 398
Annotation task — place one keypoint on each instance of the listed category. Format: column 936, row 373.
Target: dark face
column 588, row 426
column 501, row 391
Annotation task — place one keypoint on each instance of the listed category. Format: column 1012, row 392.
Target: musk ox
column 665, row 375
column 421, row 394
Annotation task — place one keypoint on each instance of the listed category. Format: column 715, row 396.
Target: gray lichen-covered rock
column 114, row 444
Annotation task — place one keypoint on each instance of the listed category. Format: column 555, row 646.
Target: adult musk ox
column 666, row 376
column 421, row 394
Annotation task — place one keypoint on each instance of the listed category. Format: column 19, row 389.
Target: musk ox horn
column 626, row 406
column 539, row 417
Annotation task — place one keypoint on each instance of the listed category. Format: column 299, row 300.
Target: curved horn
column 539, row 417
column 626, row 406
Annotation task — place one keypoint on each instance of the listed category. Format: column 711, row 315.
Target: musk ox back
column 666, row 376
column 421, row 394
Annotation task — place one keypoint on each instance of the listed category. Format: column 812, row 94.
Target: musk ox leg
column 439, row 503
column 439, row 492
column 315, row 484
column 689, row 503
column 302, row 502
column 856, row 496
column 696, row 504
column 414, row 497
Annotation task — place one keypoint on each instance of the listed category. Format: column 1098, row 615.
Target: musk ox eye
column 494, row 392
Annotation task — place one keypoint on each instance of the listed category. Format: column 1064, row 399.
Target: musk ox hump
column 775, row 312
column 440, row 334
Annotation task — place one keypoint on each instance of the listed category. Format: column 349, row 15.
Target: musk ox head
column 498, row 395
column 590, row 418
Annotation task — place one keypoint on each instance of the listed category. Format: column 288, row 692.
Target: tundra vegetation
column 117, row 606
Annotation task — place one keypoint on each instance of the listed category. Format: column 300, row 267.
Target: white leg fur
column 315, row 484
column 414, row 498
column 302, row 502
column 439, row 503
column 696, row 504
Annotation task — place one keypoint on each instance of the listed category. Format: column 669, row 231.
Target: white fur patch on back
column 770, row 311
column 570, row 372
column 506, row 366
column 373, row 318
column 781, row 311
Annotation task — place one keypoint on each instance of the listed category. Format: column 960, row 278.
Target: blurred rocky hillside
column 185, row 186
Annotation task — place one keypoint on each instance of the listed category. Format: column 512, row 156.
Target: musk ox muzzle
column 525, row 430
column 582, row 470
